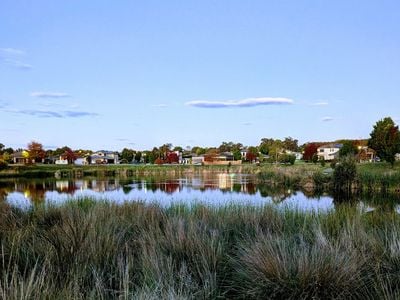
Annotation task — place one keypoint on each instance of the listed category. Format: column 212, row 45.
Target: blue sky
column 137, row 74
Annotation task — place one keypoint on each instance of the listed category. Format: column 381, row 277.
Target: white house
column 298, row 155
column 103, row 157
column 329, row 151
column 197, row 160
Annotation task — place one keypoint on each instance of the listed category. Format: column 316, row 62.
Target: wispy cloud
column 247, row 123
column 160, row 105
column 77, row 114
column 327, row 119
column 122, row 140
column 248, row 102
column 12, row 57
column 322, row 103
column 17, row 64
column 52, row 114
column 12, row 51
column 49, row 95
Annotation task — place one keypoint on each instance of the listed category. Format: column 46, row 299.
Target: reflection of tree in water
column 35, row 192
column 277, row 193
column 6, row 187
column 169, row 186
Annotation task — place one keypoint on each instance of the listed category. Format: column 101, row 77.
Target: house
column 61, row 161
column 298, row 155
column 366, row 154
column 329, row 151
column 102, row 157
column 20, row 157
column 197, row 160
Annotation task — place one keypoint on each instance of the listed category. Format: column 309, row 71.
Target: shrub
column 344, row 174
column 3, row 164
column 287, row 159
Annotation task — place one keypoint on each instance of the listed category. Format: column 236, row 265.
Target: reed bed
column 96, row 250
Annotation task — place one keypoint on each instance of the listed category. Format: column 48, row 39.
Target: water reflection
column 210, row 189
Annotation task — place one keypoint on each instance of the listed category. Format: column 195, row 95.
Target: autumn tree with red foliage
column 36, row 152
column 69, row 155
column 310, row 150
column 172, row 158
column 211, row 155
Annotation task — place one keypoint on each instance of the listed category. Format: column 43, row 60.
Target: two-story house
column 329, row 151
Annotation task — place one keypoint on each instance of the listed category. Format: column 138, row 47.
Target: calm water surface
column 210, row 189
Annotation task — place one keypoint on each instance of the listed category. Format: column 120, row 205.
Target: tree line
column 384, row 139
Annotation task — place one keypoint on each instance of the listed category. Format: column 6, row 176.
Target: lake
column 215, row 189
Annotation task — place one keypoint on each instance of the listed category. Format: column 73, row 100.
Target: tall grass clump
column 97, row 250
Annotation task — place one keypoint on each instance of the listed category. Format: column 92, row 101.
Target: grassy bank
column 88, row 250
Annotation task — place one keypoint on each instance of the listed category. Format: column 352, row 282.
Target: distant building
column 366, row 154
column 20, row 157
column 298, row 155
column 102, row 157
column 329, row 151
column 197, row 160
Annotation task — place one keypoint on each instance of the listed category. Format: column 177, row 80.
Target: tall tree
column 348, row 148
column 127, row 154
column 385, row 139
column 69, row 155
column 265, row 145
column 291, row 144
column 36, row 152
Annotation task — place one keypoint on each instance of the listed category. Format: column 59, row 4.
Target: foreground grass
column 89, row 250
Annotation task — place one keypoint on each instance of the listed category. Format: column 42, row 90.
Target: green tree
column 348, row 148
column 385, row 139
column 127, row 155
column 198, row 150
column 138, row 156
column 290, row 144
column 265, row 145
column 275, row 150
column 237, row 155
column 178, row 148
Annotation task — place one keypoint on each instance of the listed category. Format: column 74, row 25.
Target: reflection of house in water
column 225, row 181
column 99, row 185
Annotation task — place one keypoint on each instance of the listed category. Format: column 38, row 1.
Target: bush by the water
column 89, row 250
column 344, row 174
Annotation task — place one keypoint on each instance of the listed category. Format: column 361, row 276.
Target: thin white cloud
column 247, row 123
column 51, row 113
column 49, row 95
column 327, row 119
column 248, row 102
column 11, row 57
column 160, row 105
column 322, row 103
column 11, row 51
column 17, row 64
